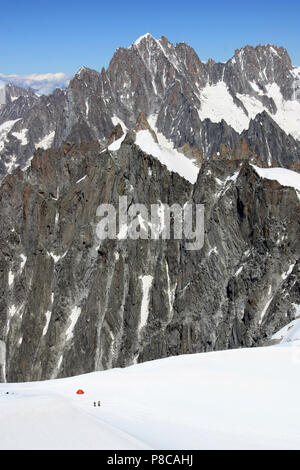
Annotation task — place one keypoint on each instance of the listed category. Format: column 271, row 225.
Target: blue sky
column 53, row 36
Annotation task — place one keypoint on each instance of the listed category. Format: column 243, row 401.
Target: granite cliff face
column 72, row 303
column 207, row 106
column 159, row 126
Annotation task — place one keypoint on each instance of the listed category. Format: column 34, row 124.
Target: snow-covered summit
column 145, row 36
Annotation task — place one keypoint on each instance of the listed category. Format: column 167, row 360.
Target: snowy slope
column 282, row 175
column 46, row 141
column 116, row 144
column 164, row 152
column 290, row 334
column 217, row 104
column 5, row 128
column 173, row 160
column 237, row 399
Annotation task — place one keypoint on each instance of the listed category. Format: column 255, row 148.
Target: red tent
column 80, row 392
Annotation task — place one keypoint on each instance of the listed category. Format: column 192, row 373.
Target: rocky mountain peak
column 144, row 39
column 85, row 77
column 164, row 41
column 116, row 134
column 205, row 105
column 142, row 125
column 263, row 65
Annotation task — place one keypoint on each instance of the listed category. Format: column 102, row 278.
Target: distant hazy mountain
column 42, row 84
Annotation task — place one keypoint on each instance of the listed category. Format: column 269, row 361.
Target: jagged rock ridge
column 208, row 106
